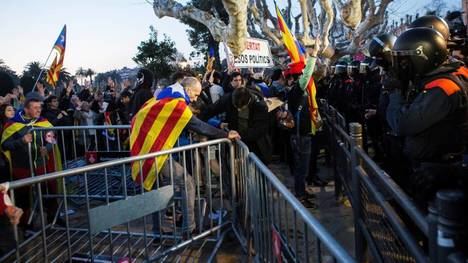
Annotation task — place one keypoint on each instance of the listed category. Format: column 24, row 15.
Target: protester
column 142, row 92
column 181, row 95
column 16, row 136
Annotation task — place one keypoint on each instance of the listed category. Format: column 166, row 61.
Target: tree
column 33, row 69
column 64, row 75
column 199, row 36
column 436, row 7
column 156, row 55
column 8, row 71
column 90, row 73
column 233, row 34
column 343, row 25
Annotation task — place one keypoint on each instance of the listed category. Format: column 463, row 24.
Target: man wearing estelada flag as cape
column 157, row 127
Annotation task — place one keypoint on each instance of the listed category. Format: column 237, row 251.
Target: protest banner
column 256, row 55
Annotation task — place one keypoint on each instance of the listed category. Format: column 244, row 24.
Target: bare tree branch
column 288, row 13
column 233, row 34
column 351, row 13
column 328, row 11
column 237, row 28
column 305, row 37
column 176, row 10
column 338, row 4
column 313, row 20
column 263, row 24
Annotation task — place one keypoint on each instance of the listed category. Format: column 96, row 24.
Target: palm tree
column 64, row 75
column 33, row 69
column 90, row 73
column 81, row 72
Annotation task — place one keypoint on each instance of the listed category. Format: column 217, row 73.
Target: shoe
column 308, row 204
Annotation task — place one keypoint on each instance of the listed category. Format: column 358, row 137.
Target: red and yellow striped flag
column 295, row 50
column 54, row 71
column 156, row 127
column 313, row 106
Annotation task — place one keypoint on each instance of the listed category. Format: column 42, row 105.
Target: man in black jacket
column 247, row 113
column 301, row 142
column 142, row 91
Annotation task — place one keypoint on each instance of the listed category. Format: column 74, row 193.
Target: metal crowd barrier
column 283, row 229
column 388, row 225
column 101, row 215
column 149, row 225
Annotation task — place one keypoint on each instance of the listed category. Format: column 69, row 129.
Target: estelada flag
column 313, row 106
column 156, row 127
column 295, row 50
column 54, row 70
column 307, row 83
column 17, row 123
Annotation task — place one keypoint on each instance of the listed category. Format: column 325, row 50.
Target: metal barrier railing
column 387, row 222
column 75, row 141
column 184, row 206
column 282, row 227
column 101, row 214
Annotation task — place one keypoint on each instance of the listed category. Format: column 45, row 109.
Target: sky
column 102, row 34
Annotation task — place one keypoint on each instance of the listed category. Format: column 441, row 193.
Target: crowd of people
column 410, row 93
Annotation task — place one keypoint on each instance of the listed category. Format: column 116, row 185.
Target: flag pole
column 42, row 69
column 43, row 66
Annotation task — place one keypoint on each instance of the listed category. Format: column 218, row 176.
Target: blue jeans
column 301, row 150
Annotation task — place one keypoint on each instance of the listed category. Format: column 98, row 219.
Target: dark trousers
column 301, row 149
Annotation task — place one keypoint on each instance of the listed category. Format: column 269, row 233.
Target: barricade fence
column 388, row 225
column 283, row 229
column 98, row 213
column 185, row 205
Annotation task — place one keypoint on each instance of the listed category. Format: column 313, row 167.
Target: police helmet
column 341, row 68
column 434, row 22
column 353, row 67
column 380, row 49
column 364, row 66
column 418, row 51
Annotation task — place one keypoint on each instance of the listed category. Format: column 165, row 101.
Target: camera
column 458, row 38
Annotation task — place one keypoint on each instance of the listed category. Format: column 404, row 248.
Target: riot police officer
column 394, row 163
column 335, row 95
column 431, row 123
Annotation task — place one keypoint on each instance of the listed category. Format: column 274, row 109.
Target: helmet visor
column 403, row 67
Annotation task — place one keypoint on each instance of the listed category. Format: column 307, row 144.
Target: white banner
column 256, row 55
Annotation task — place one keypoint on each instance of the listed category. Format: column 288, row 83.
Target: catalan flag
column 54, row 69
column 156, row 127
column 307, row 83
column 313, row 106
column 295, row 50
column 17, row 123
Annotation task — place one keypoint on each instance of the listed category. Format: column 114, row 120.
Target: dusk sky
column 102, row 34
